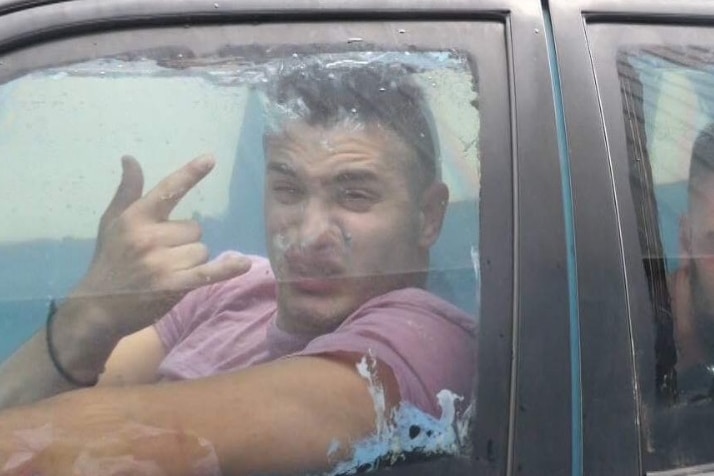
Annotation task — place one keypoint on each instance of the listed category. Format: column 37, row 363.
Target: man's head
column 697, row 235
column 353, row 198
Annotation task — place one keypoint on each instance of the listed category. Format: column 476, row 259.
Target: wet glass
column 64, row 128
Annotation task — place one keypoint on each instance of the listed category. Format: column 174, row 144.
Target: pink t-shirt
column 429, row 344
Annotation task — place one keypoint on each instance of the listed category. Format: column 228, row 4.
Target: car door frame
column 526, row 348
column 617, row 340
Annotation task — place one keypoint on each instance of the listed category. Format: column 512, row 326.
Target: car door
column 83, row 82
column 636, row 81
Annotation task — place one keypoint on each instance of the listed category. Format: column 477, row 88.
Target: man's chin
column 325, row 302
column 311, row 313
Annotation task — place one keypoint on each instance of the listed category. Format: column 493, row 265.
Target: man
column 692, row 286
column 275, row 367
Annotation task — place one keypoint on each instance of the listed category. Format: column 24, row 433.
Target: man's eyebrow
column 362, row 175
column 281, row 168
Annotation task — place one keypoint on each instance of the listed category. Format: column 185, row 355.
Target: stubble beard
column 702, row 314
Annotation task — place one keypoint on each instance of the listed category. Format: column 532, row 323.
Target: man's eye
column 286, row 193
column 357, row 199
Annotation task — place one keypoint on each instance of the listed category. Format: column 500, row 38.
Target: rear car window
column 666, row 81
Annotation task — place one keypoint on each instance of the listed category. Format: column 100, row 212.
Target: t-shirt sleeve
column 199, row 303
column 177, row 322
column 429, row 345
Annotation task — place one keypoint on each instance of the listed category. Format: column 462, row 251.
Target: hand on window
column 144, row 262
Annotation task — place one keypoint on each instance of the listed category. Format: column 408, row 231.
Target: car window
column 666, row 80
column 251, row 98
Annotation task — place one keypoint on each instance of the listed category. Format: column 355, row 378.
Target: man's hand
column 142, row 265
column 144, row 262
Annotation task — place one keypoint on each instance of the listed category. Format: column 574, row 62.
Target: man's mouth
column 313, row 276
column 314, row 285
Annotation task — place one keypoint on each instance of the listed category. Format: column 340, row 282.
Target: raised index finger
column 161, row 200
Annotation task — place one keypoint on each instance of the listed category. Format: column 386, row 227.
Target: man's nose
column 316, row 226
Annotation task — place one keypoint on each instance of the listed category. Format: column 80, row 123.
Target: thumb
column 129, row 190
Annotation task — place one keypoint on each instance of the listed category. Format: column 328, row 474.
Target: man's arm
column 135, row 359
column 30, row 375
column 294, row 415
column 142, row 265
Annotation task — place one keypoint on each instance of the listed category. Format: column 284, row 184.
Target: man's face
column 701, row 251
column 343, row 222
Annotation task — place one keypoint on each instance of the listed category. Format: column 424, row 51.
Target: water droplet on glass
column 537, row 30
column 402, row 31
column 354, row 40
column 382, row 89
column 215, row 5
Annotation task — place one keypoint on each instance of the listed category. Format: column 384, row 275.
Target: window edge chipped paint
column 333, row 449
column 408, row 431
column 368, row 371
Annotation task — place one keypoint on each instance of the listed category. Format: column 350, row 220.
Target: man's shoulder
column 427, row 342
column 417, row 303
column 209, row 321
column 258, row 284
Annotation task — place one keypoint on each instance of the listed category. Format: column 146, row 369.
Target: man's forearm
column 81, row 345
column 276, row 418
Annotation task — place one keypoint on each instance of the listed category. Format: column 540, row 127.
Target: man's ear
column 433, row 208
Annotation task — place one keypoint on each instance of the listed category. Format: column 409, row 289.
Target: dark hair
column 386, row 94
column 702, row 164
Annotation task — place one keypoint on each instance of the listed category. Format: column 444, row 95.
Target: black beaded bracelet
column 53, row 354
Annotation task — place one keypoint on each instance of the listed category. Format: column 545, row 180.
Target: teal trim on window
column 576, row 396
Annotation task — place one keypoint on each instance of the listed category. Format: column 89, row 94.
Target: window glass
column 666, row 85
column 348, row 174
column 164, row 114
